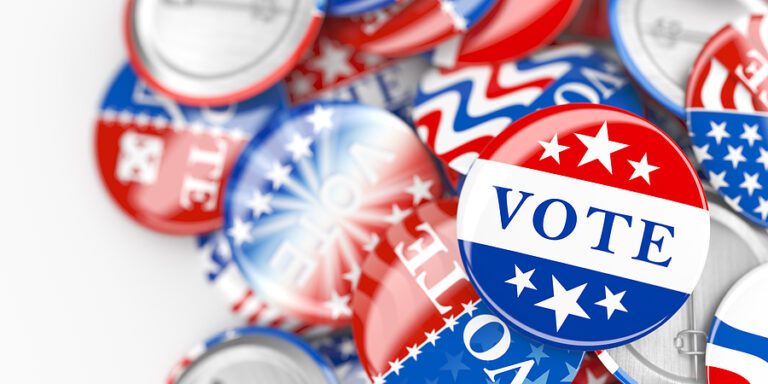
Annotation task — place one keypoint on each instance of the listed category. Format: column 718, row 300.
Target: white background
column 86, row 295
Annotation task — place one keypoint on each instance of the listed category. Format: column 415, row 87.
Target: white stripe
column 713, row 86
column 742, row 99
column 479, row 221
column 750, row 367
column 742, row 25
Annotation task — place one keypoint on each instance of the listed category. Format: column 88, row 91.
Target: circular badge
column 417, row 318
column 658, row 40
column 674, row 353
column 512, row 29
column 164, row 163
column 737, row 350
column 458, row 112
column 408, row 27
column 310, row 196
column 340, row 350
column 335, row 71
column 574, row 217
column 210, row 52
column 726, row 103
column 355, row 7
column 243, row 355
column 222, row 273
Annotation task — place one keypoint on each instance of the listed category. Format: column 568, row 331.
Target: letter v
column 501, row 194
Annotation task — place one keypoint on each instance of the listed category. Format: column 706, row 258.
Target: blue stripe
column 726, row 336
column 624, row 377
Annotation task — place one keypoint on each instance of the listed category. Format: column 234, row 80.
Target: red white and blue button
column 726, row 106
column 458, row 112
column 737, row 349
column 409, row 27
column 311, row 195
column 574, row 217
column 164, row 163
column 417, row 318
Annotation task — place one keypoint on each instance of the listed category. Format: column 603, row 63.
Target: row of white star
column 718, row 131
column 160, row 123
column 565, row 302
column 735, row 155
column 599, row 148
column 750, row 183
column 430, row 338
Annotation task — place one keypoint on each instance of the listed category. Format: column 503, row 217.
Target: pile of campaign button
column 737, row 349
column 573, row 217
column 658, row 40
column 250, row 354
column 417, row 318
column 408, row 27
column 312, row 193
column 164, row 163
column 458, row 112
column 511, row 30
column 674, row 353
column 332, row 70
column 726, row 103
column 210, row 52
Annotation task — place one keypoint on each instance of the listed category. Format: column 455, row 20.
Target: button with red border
column 583, row 226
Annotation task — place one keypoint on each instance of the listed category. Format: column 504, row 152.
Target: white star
column 142, row 119
column 321, row 118
column 278, row 175
column 370, row 59
column 379, row 379
column 301, row 84
column 396, row 366
column 735, row 156
column 372, row 243
column 259, row 204
column 750, row 134
column 717, row 131
column 432, row 337
column 353, row 276
column 299, row 147
column 564, row 302
column 420, row 190
column 241, row 232
column 160, row 122
column 750, row 183
column 642, row 169
column 459, row 22
column 333, row 62
column 612, row 302
column 470, row 307
column 125, row 117
column 600, row 148
column 702, row 153
column 734, row 202
column 592, row 379
column 347, row 348
column 413, row 352
column 718, row 180
column 552, row 149
column 397, row 215
column 450, row 322
column 763, row 159
column 762, row 208
column 338, row 305
column 522, row 280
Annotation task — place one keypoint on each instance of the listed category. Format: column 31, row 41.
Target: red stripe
column 721, row 376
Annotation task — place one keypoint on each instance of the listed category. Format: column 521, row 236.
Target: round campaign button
column 737, row 349
column 458, row 112
column 726, row 104
column 165, row 164
column 222, row 274
column 251, row 354
column 332, row 70
column 584, row 226
column 340, row 350
column 355, row 7
column 408, row 27
column 511, row 30
column 658, row 40
column 417, row 318
column 310, row 196
column 674, row 353
column 210, row 52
